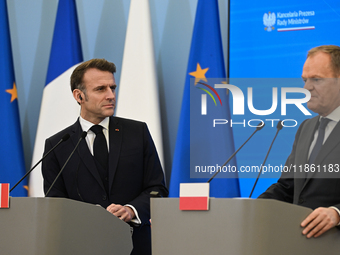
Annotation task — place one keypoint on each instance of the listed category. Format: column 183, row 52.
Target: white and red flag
column 194, row 196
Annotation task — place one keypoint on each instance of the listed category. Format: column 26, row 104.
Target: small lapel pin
column 117, row 130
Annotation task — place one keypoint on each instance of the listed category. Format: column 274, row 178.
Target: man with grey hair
column 316, row 146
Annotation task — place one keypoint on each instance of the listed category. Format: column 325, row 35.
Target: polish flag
column 4, row 195
column 194, row 196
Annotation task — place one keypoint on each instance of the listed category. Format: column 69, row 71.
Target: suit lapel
column 85, row 154
column 332, row 141
column 115, row 137
column 302, row 150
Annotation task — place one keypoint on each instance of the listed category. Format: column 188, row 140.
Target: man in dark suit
column 316, row 147
column 116, row 167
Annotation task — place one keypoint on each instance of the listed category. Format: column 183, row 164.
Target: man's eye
column 316, row 80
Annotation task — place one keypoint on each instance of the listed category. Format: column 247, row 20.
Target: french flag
column 58, row 107
column 4, row 195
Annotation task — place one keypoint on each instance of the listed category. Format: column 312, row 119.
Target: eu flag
column 12, row 166
column 199, row 144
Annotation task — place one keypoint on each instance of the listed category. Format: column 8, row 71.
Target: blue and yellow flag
column 12, row 166
column 200, row 147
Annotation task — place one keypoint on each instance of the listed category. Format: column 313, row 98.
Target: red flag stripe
column 4, row 199
column 193, row 203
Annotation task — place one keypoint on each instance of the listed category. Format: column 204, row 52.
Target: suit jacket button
column 301, row 200
column 104, row 197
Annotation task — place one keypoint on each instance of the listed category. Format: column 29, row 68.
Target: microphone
column 83, row 135
column 259, row 127
column 279, row 127
column 63, row 139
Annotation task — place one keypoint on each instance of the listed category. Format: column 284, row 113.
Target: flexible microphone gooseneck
column 279, row 127
column 219, row 170
column 83, row 135
column 63, row 139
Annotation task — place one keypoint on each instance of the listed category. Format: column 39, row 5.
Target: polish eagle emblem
column 269, row 20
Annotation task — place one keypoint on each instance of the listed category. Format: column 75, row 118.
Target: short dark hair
column 78, row 73
column 333, row 51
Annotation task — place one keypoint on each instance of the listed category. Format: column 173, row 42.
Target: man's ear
column 77, row 94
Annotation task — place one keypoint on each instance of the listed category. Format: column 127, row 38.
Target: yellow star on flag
column 199, row 74
column 13, row 92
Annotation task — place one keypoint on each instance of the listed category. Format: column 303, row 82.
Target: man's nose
column 308, row 84
column 111, row 94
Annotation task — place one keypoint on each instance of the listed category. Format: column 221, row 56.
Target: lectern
column 61, row 226
column 236, row 227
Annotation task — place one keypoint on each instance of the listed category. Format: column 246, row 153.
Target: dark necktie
column 100, row 150
column 319, row 140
